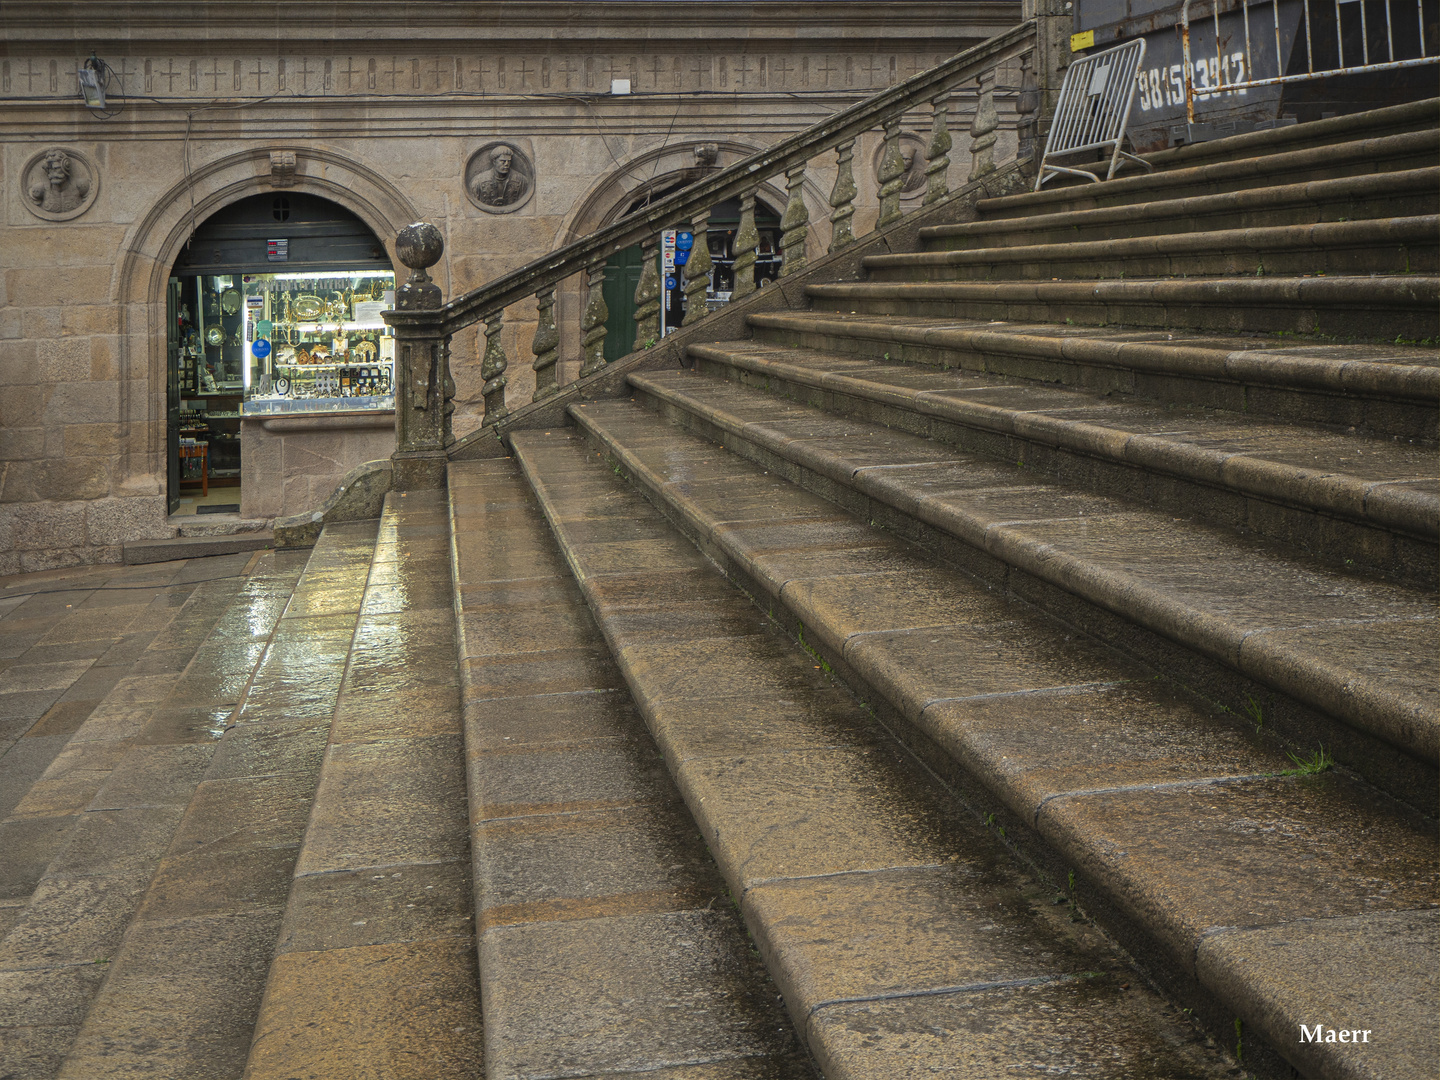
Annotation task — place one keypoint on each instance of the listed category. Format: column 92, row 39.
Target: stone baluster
column 546, row 345
column 891, row 175
column 697, row 269
column 795, row 224
column 747, row 242
column 592, row 322
column 492, row 369
column 842, row 197
column 937, row 154
column 647, row 295
column 982, row 129
column 424, row 390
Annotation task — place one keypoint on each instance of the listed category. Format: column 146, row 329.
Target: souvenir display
column 331, row 349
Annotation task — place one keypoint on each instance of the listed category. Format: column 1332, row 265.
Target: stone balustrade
column 424, row 326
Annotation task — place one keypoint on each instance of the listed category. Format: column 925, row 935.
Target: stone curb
column 1360, row 702
column 1370, row 502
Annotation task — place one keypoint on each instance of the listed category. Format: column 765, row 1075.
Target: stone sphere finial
column 419, row 246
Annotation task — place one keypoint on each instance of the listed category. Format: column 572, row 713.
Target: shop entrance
column 273, row 306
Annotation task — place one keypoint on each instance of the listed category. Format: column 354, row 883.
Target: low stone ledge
column 360, row 496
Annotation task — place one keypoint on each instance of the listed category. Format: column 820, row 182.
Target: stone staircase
column 991, row 666
column 1103, row 530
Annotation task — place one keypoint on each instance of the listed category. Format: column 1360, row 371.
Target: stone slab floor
column 132, row 700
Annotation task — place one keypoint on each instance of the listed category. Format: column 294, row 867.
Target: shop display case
column 316, row 342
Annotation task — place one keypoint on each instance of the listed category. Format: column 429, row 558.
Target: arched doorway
column 624, row 268
column 272, row 307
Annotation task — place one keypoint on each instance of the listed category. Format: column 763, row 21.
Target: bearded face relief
column 499, row 178
column 59, row 183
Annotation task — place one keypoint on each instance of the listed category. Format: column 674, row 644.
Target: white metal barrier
column 1324, row 32
column 1093, row 110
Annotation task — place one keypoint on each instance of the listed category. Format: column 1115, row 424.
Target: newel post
column 424, row 390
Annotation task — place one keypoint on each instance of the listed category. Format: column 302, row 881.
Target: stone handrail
column 423, row 325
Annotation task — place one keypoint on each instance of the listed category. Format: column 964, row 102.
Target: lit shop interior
column 277, row 350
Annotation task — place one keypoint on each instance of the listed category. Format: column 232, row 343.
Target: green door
column 622, row 278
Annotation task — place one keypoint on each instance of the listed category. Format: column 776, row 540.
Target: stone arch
column 154, row 242
column 657, row 167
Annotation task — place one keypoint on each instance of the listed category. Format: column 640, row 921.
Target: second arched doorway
column 623, row 270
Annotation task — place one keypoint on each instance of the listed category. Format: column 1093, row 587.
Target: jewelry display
column 331, row 351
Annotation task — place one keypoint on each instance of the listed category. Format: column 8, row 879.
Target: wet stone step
column 1177, row 823
column 904, row 938
column 608, row 943
column 1387, row 390
column 1264, row 165
column 374, row 965
column 1279, row 622
column 1403, row 193
column 1389, row 245
column 1353, row 500
column 1347, row 307
column 204, row 850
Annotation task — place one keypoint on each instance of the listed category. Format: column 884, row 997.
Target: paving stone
column 153, row 776
column 592, row 864
column 398, row 903
column 29, row 844
column 132, row 1028
column 23, row 764
column 564, row 779
column 1189, row 859
column 115, row 842
column 74, row 920
column 375, row 1012
column 73, row 778
column 269, row 749
column 599, row 716
column 624, row 994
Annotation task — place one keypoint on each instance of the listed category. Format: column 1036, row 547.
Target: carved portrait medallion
column 499, row 178
column 912, row 152
column 58, row 184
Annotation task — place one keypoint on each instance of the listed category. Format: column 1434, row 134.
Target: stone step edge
column 1238, row 990
column 142, row 552
column 1326, row 236
column 1374, row 503
column 1361, row 703
column 1357, row 151
column 1303, row 194
column 1404, row 292
column 1410, row 383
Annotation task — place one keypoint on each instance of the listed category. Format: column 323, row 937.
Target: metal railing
column 1325, row 23
column 1093, row 111
column 424, row 326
